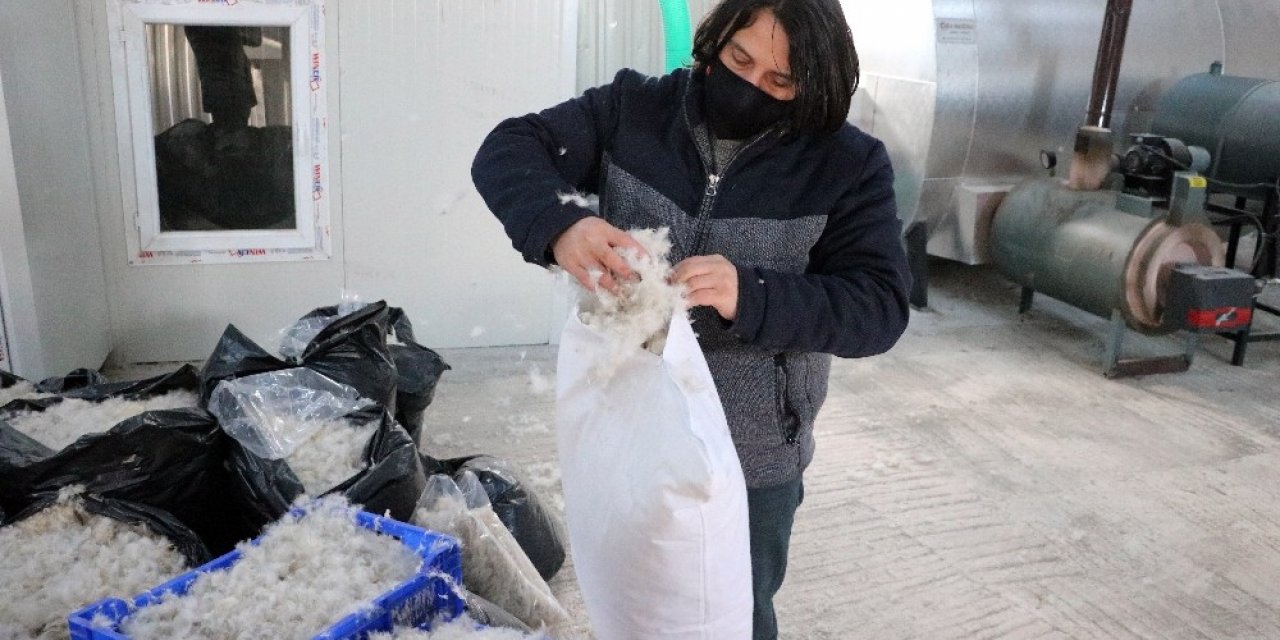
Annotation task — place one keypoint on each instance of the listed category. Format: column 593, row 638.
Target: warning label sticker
column 957, row 31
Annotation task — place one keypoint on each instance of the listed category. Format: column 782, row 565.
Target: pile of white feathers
column 65, row 558
column 305, row 575
column 22, row 391
column 333, row 453
column 65, row 422
column 637, row 317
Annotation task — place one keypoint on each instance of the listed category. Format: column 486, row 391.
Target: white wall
column 413, row 87
column 17, row 303
column 423, row 82
column 50, row 142
column 614, row 34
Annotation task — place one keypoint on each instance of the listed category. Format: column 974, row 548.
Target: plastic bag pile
column 172, row 470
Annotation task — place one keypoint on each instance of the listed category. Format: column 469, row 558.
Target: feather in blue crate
column 426, row 594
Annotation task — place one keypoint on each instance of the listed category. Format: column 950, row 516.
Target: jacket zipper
column 714, row 176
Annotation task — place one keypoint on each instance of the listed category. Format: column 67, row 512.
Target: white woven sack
column 654, row 495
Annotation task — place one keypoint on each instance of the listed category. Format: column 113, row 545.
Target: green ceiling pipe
column 678, row 35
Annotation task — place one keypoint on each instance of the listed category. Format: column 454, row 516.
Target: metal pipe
column 1106, row 71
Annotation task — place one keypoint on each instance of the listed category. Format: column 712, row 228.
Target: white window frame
column 309, row 239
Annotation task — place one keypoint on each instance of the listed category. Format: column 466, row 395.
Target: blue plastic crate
column 417, row 601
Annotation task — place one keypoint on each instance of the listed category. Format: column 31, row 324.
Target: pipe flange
column 1157, row 251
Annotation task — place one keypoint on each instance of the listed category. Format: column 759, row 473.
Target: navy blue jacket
column 808, row 219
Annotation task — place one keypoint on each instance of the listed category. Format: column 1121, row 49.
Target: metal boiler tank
column 1236, row 119
column 1131, row 237
column 964, row 93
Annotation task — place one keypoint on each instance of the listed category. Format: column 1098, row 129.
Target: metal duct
column 1106, row 71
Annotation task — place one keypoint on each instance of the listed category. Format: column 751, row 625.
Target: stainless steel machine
column 965, row 93
column 1131, row 236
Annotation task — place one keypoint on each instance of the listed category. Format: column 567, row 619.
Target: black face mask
column 737, row 109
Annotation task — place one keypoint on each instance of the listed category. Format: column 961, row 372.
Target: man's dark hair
column 824, row 62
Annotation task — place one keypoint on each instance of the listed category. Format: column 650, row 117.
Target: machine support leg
column 1233, row 244
column 1115, row 340
column 1028, row 296
column 1269, row 264
column 1233, row 240
column 1192, row 343
column 917, row 241
column 1114, row 366
column 1242, row 344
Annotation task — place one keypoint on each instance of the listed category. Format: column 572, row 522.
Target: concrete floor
column 983, row 480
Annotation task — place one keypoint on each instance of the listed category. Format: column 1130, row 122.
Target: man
column 782, row 218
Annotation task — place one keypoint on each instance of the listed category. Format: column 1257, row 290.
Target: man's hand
column 588, row 246
column 712, row 281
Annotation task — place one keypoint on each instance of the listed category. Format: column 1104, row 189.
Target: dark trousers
column 771, row 512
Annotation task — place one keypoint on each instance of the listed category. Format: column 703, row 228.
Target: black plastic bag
column 170, row 460
column 74, row 380
column 185, row 378
column 184, row 540
column 352, row 350
column 235, row 356
column 391, row 481
column 18, row 450
column 539, row 530
column 418, row 371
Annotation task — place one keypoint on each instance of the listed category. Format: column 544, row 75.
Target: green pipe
column 678, row 35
